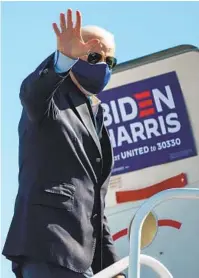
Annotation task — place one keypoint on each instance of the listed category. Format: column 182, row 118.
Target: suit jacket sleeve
column 39, row 87
column 109, row 252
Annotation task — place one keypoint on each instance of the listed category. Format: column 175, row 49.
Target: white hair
column 101, row 32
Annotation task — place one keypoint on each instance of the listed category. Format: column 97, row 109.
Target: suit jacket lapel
column 81, row 107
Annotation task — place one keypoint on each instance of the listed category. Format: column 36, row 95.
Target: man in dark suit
column 65, row 159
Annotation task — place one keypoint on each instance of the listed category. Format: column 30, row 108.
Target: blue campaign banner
column 148, row 123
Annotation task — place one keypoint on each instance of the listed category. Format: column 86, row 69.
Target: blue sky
column 140, row 28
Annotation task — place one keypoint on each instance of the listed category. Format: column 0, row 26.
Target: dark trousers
column 45, row 270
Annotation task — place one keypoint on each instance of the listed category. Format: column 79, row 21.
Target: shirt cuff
column 63, row 63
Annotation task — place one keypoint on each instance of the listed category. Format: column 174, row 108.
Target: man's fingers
column 69, row 19
column 62, row 22
column 56, row 29
column 78, row 23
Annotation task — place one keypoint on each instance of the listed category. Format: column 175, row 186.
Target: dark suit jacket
column 64, row 171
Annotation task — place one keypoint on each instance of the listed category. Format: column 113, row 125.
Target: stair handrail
column 133, row 261
column 140, row 216
column 123, row 264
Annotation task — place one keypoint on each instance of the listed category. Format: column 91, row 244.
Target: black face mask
column 92, row 77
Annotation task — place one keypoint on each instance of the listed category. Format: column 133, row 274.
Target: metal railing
column 140, row 216
column 133, row 261
column 123, row 264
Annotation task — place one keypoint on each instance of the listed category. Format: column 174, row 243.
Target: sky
column 140, row 28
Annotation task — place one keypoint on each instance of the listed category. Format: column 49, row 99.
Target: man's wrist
column 66, row 55
column 63, row 63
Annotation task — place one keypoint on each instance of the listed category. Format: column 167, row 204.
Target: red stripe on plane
column 170, row 223
column 163, row 222
column 120, row 234
column 144, row 193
